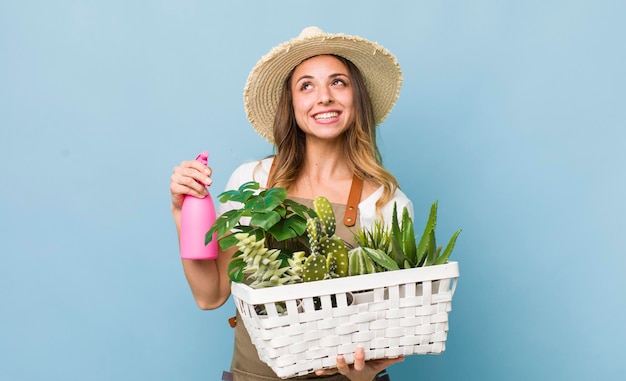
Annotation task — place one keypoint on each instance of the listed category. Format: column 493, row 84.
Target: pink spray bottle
column 196, row 217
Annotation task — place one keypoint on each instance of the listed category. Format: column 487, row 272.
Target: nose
column 325, row 97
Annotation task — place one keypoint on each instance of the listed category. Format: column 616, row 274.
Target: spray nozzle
column 203, row 157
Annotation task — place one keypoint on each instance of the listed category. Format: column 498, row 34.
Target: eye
column 339, row 82
column 306, row 86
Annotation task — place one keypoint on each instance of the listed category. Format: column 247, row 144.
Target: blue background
column 511, row 115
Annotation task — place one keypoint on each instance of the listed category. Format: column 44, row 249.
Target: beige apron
column 246, row 365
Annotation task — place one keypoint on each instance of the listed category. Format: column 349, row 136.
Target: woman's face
column 322, row 97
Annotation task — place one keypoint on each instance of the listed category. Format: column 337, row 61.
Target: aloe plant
column 427, row 250
column 396, row 246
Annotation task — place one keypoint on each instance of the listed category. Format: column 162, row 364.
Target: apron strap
column 352, row 206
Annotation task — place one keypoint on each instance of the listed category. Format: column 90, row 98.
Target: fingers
column 189, row 178
column 360, row 369
column 326, row 372
column 359, row 359
column 195, row 170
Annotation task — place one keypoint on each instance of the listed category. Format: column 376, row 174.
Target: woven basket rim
column 346, row 284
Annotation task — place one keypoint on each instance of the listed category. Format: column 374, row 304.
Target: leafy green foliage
column 271, row 215
column 397, row 244
column 270, row 212
column 267, row 217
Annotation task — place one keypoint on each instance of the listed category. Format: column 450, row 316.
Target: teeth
column 326, row 115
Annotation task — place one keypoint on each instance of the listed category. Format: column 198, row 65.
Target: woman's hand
column 361, row 370
column 189, row 178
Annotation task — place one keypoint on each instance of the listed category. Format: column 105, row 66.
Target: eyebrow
column 334, row 75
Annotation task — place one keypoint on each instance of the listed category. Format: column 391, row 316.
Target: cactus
column 315, row 267
column 326, row 215
column 329, row 256
column 336, row 257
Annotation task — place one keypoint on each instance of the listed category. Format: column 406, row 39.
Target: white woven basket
column 304, row 326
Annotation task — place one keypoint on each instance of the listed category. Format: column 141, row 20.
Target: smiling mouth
column 327, row 115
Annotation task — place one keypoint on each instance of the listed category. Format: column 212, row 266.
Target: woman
column 318, row 99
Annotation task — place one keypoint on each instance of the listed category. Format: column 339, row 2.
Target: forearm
column 207, row 279
column 208, row 286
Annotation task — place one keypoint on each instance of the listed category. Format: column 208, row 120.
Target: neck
column 325, row 164
column 325, row 172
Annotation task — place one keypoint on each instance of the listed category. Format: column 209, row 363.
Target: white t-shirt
column 259, row 171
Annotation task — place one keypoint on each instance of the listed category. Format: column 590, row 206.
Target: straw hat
column 380, row 70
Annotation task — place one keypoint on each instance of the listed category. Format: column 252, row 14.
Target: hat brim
column 380, row 70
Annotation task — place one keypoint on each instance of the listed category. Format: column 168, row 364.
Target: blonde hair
column 360, row 140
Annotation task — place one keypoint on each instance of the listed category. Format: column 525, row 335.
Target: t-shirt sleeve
column 367, row 208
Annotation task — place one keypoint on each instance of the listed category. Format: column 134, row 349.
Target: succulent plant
column 272, row 224
column 359, row 262
column 395, row 247
column 263, row 266
column 315, row 267
column 329, row 255
column 427, row 252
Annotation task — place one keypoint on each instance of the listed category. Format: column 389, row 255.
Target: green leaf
column 408, row 237
column 242, row 195
column 396, row 252
column 281, row 231
column 432, row 249
column 228, row 196
column 281, row 210
column 250, row 185
column 396, row 233
column 299, row 209
column 280, row 193
column 266, row 201
column 223, row 224
column 265, row 220
column 295, row 223
column 381, row 258
column 227, row 221
column 235, row 270
column 449, row 247
column 228, row 242
column 431, row 223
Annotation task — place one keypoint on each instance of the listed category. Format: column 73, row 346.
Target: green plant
column 263, row 266
column 329, row 256
column 274, row 220
column 427, row 251
column 396, row 247
column 370, row 255
column 280, row 241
